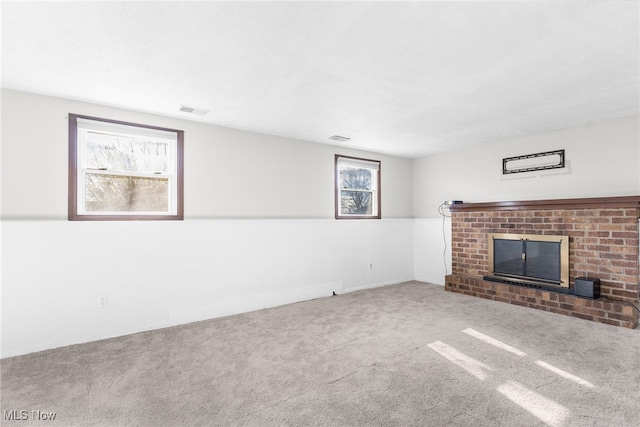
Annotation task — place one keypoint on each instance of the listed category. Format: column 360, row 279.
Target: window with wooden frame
column 124, row 171
column 357, row 188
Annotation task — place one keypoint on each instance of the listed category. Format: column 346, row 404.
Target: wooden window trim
column 336, row 188
column 73, row 174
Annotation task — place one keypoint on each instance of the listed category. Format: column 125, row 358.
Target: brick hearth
column 603, row 243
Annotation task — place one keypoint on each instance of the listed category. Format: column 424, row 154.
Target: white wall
column 258, row 232
column 158, row 274
column 603, row 158
column 431, row 249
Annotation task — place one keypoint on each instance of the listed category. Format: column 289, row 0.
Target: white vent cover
column 197, row 111
column 339, row 138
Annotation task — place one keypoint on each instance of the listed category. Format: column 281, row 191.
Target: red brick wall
column 603, row 243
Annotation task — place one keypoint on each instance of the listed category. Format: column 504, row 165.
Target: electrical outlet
column 103, row 301
column 370, row 266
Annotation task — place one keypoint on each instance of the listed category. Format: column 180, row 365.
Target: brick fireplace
column 603, row 244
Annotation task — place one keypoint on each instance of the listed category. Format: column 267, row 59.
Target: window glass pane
column 356, row 178
column 356, row 202
column 126, row 153
column 114, row 193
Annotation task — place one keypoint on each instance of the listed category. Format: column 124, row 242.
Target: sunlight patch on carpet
column 565, row 374
column 546, row 410
column 494, row 342
column 469, row 364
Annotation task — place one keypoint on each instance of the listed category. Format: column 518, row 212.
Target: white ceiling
column 403, row 78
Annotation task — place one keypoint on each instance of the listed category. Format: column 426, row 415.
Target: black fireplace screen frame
column 530, row 258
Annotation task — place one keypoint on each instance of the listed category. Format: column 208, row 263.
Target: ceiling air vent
column 191, row 110
column 339, row 138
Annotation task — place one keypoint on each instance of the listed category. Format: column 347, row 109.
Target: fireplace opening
column 529, row 259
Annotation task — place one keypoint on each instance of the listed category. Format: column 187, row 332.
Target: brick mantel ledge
column 583, row 203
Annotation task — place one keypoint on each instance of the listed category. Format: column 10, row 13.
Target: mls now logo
column 23, row 415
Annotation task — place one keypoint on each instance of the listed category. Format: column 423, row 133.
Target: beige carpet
column 404, row 355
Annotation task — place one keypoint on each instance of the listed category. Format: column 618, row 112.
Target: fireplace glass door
column 531, row 258
column 543, row 260
column 508, row 257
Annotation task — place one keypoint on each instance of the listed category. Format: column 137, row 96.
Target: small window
column 357, row 188
column 124, row 171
